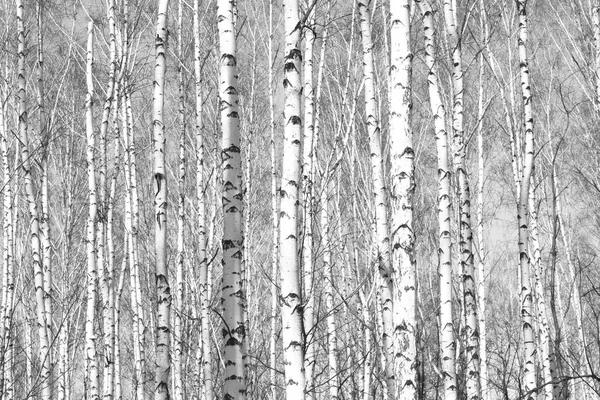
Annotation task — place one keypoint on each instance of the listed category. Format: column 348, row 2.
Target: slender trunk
column 542, row 319
column 308, row 268
column 529, row 348
column 483, row 376
column 402, row 193
column 108, row 267
column 201, row 221
column 45, row 139
column 234, row 334
column 471, row 329
column 179, row 278
column 40, row 293
column 326, row 243
column 447, row 341
column 274, row 220
column 291, row 295
column 379, row 196
column 8, row 286
column 163, row 290
column 92, row 376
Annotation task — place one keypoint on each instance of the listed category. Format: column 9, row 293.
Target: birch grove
column 361, row 204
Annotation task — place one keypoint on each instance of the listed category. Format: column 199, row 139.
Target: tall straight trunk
column 328, row 259
column 483, row 375
column 131, row 206
column 471, row 329
column 201, row 221
column 291, row 295
column 402, row 193
column 163, row 290
column 542, row 318
column 274, row 220
column 45, row 140
column 447, row 341
column 234, row 334
column 179, row 268
column 379, row 196
column 92, row 375
column 308, row 269
column 40, row 293
column 8, row 286
column 110, row 314
column 117, row 322
column 529, row 348
column 107, row 270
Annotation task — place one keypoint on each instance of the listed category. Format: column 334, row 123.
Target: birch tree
column 234, row 329
column 471, row 331
column 402, row 193
column 34, row 226
column 379, row 195
column 447, row 341
column 163, row 315
column 92, row 373
column 205, row 341
column 529, row 348
column 291, row 296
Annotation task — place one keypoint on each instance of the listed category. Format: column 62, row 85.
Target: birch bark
column 234, row 329
column 379, row 195
column 163, row 290
column 448, row 344
column 291, row 295
column 402, row 192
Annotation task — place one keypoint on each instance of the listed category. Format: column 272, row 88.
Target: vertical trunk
column 234, row 334
column 201, row 221
column 402, row 192
column 40, row 293
column 179, row 282
column 163, row 290
column 92, row 376
column 326, row 243
column 483, row 375
column 447, row 342
column 44, row 137
column 291, row 296
column 131, row 206
column 8, row 287
column 542, row 319
column 529, row 348
column 379, row 196
column 307, row 206
column 471, row 329
column 274, row 220
column 63, row 357
column 108, row 272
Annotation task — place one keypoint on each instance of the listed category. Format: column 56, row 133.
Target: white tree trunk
column 402, row 192
column 471, row 330
column 274, row 220
column 447, row 341
column 179, row 268
column 529, row 348
column 234, row 330
column 328, row 260
column 379, row 196
column 163, row 291
column 92, row 373
column 291, row 296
